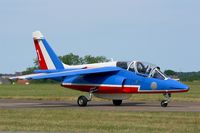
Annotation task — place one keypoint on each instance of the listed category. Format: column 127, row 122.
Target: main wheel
column 117, row 102
column 82, row 101
column 164, row 103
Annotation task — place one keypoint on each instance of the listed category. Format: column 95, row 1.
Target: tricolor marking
column 110, row 89
column 47, row 58
column 103, row 88
column 41, row 59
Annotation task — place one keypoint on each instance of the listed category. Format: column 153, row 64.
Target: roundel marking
column 153, row 85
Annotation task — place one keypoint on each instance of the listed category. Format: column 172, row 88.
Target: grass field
column 95, row 121
column 38, row 91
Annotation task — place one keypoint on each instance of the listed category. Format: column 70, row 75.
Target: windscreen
column 158, row 75
column 147, row 70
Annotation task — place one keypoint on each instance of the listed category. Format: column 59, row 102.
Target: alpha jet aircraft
column 115, row 80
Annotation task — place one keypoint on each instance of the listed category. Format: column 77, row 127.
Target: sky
column 163, row 32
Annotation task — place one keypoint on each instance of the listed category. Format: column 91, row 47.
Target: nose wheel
column 165, row 102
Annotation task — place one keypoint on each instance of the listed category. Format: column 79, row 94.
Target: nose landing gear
column 166, row 100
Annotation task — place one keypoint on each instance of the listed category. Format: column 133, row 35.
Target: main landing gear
column 117, row 102
column 83, row 100
column 166, row 100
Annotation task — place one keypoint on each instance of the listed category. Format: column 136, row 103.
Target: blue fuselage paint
column 128, row 78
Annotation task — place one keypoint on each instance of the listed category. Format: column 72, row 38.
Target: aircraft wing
column 71, row 73
column 26, row 76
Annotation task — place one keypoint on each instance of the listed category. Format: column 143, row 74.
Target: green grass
column 95, row 121
column 38, row 91
column 56, row 92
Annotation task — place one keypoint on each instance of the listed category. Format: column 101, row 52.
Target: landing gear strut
column 165, row 102
column 83, row 100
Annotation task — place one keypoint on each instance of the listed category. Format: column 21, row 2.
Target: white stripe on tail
column 47, row 58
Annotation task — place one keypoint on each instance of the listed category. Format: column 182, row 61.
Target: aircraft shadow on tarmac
column 5, row 103
column 101, row 105
column 90, row 105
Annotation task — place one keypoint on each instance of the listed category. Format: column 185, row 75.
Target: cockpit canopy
column 143, row 68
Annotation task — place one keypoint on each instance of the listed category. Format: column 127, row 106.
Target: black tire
column 117, row 102
column 164, row 103
column 82, row 101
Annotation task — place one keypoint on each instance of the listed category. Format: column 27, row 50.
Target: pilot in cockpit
column 141, row 68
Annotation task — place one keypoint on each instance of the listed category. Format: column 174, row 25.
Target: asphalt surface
column 93, row 105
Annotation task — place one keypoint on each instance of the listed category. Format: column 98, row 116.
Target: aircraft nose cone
column 182, row 86
column 185, row 87
column 179, row 86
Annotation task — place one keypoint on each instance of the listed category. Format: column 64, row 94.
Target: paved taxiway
column 126, row 106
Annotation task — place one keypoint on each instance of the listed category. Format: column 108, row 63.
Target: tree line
column 183, row 76
column 73, row 59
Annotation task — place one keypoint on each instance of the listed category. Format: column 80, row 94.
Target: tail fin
column 47, row 58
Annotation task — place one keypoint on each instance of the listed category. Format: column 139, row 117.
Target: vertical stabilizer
column 47, row 58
